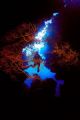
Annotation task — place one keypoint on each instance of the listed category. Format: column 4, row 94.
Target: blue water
column 44, row 72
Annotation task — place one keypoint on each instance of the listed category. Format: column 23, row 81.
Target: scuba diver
column 37, row 60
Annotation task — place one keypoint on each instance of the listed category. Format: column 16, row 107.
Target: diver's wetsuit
column 37, row 60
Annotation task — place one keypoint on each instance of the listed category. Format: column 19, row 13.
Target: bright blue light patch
column 27, row 50
column 41, row 34
column 44, row 72
column 38, row 46
column 31, row 70
column 43, row 51
column 48, row 22
column 55, row 14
